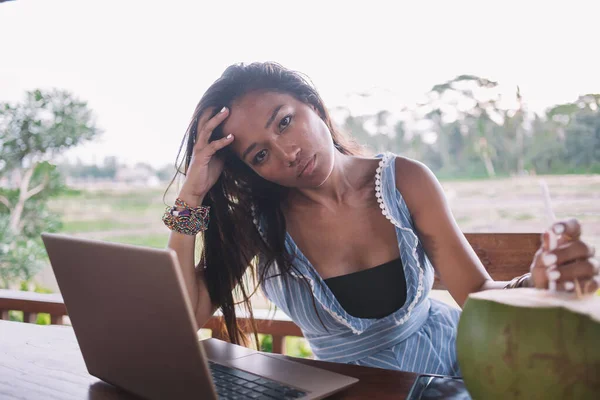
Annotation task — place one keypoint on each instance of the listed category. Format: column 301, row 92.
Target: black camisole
column 372, row 293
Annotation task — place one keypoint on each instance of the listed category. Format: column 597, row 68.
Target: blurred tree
column 472, row 101
column 355, row 126
column 110, row 166
column 166, row 172
column 79, row 170
column 32, row 133
column 545, row 152
column 566, row 139
column 512, row 136
column 382, row 136
column 400, row 142
column 461, row 131
column 442, row 137
column 582, row 144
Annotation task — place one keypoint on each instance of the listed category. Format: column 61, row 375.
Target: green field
column 500, row 205
column 125, row 216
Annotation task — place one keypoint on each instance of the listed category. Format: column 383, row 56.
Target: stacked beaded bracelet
column 187, row 220
column 519, row 281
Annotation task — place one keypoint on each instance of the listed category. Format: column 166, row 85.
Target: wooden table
column 44, row 362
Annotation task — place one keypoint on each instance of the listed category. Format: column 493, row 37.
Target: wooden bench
column 504, row 255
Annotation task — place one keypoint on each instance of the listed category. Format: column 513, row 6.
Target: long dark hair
column 232, row 242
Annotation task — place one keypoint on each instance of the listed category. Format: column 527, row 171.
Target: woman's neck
column 350, row 174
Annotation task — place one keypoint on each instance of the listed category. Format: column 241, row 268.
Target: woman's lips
column 308, row 168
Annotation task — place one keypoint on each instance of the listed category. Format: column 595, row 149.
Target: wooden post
column 278, row 344
column 30, row 317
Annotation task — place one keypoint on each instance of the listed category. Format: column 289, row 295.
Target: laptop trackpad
column 292, row 373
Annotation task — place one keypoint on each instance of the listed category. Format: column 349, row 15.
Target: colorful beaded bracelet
column 188, row 220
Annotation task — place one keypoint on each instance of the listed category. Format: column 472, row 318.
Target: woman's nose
column 293, row 156
column 289, row 153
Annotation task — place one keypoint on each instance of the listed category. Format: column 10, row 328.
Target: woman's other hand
column 565, row 259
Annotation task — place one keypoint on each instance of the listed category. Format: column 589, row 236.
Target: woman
column 345, row 245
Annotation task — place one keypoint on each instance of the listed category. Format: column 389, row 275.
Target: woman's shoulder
column 410, row 171
column 417, row 183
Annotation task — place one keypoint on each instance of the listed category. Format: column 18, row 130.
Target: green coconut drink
column 530, row 344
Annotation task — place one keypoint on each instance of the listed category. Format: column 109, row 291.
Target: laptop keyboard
column 234, row 384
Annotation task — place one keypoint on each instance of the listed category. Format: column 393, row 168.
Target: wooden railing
column 32, row 304
column 504, row 255
column 274, row 323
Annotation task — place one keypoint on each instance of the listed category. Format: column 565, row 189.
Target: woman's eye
column 285, row 122
column 259, row 157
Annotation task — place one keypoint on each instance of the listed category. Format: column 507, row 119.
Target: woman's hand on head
column 566, row 259
column 205, row 168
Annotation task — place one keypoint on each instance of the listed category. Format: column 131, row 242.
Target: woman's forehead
column 254, row 109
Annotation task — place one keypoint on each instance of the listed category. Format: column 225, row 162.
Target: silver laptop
column 136, row 330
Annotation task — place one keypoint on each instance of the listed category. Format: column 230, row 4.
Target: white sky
column 143, row 65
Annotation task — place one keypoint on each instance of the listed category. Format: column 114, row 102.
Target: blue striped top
column 419, row 337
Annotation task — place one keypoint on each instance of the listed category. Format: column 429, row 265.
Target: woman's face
column 281, row 138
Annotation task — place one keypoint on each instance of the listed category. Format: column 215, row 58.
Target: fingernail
column 549, row 259
column 552, row 241
column 553, row 275
column 569, row 285
column 223, row 109
column 558, row 229
column 229, row 136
